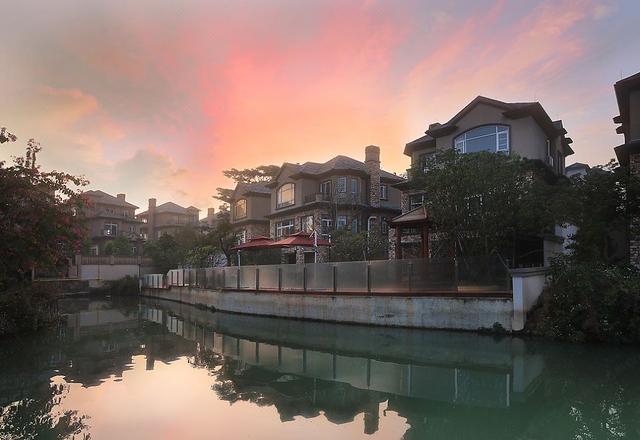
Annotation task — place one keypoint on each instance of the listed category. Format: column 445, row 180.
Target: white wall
column 527, row 288
column 107, row 272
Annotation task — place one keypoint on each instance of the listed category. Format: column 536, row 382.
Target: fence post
column 238, row 279
column 184, row 278
column 368, row 277
column 257, row 278
column 279, row 279
column 304, row 278
column 197, row 278
column 410, row 275
column 334, row 271
column 224, row 278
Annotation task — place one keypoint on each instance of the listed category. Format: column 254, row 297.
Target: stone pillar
column 393, row 254
column 372, row 162
column 634, row 229
column 299, row 255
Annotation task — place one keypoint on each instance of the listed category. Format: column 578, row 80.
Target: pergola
column 415, row 219
column 299, row 239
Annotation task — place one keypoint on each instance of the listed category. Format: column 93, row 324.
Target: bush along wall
column 589, row 301
column 26, row 309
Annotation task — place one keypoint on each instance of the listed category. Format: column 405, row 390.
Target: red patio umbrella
column 303, row 239
column 254, row 244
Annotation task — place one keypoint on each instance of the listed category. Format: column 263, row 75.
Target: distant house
column 576, row 169
column 212, row 219
column 628, row 96
column 342, row 193
column 167, row 218
column 485, row 124
column 107, row 217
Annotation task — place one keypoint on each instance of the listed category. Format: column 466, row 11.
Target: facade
column 167, row 218
column 342, row 193
column 628, row 96
column 107, row 217
column 212, row 219
column 484, row 124
column 249, row 210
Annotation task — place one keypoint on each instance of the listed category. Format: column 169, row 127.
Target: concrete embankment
column 456, row 313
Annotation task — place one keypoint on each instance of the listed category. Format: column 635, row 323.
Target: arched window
column 241, row 208
column 492, row 138
column 286, row 195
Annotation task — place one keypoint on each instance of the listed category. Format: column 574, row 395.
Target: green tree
column 263, row 173
column 482, row 202
column 40, row 221
column 600, row 206
column 350, row 246
column 120, row 247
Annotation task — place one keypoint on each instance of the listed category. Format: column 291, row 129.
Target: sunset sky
column 155, row 98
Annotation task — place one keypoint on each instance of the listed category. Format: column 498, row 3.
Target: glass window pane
column 485, row 143
column 481, row 131
column 503, row 141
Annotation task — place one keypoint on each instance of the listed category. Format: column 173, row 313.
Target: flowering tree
column 39, row 215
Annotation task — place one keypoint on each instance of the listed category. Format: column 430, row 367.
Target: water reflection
column 367, row 379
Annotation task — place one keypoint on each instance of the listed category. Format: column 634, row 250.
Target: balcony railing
column 346, row 198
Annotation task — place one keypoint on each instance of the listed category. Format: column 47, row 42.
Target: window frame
column 384, row 191
column 340, row 179
column 109, row 227
column 303, row 223
column 279, row 203
column 411, row 205
column 341, row 222
column 326, row 185
column 235, row 209
column 280, row 227
column 463, row 138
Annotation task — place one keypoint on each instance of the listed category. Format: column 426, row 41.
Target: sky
column 155, row 98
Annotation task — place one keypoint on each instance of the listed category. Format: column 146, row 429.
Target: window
column 306, row 223
column 325, row 188
column 242, row 236
column 284, row 228
column 241, row 208
column 327, row 224
column 492, row 138
column 416, row 200
column 549, row 154
column 355, row 186
column 341, row 185
column 354, row 225
column 111, row 229
column 285, row 195
column 383, row 192
column 424, row 161
column 384, row 225
column 341, row 222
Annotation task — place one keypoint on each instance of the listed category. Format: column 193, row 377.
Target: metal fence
column 374, row 277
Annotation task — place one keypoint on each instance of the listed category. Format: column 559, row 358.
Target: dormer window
column 285, row 195
column 491, row 138
column 241, row 208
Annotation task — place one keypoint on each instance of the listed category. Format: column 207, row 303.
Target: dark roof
column 338, row 163
column 173, row 208
column 512, row 110
column 102, row 197
column 623, row 88
column 576, row 166
column 259, row 188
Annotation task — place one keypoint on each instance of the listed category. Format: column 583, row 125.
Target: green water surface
column 162, row 370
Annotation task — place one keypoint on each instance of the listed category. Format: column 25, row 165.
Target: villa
column 485, row 124
column 166, row 219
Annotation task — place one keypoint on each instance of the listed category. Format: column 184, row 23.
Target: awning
column 254, row 244
column 303, row 239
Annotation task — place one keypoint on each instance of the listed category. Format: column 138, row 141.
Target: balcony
column 340, row 198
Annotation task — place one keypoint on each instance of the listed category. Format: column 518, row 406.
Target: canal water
column 162, row 370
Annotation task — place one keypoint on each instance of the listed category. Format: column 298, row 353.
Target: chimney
column 151, row 220
column 211, row 212
column 121, row 197
column 372, row 162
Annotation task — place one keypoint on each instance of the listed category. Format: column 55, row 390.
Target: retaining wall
column 463, row 313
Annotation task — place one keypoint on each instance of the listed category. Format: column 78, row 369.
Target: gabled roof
column 98, row 196
column 172, row 208
column 513, row 110
column 338, row 163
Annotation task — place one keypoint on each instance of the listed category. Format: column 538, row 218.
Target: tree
column 120, row 247
column 40, row 221
column 600, row 206
column 350, row 246
column 482, row 202
column 263, row 173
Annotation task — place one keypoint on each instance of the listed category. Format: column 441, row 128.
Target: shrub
column 26, row 309
column 589, row 301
